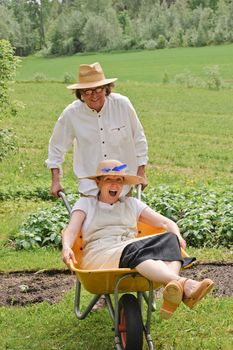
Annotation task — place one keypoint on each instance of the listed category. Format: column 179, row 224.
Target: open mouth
column 112, row 193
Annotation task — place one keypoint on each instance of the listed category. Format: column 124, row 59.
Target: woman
column 109, row 227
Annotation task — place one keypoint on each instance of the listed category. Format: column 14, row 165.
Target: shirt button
column 101, row 128
column 99, row 116
column 102, row 141
column 105, row 155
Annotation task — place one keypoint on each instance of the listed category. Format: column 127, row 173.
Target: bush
column 214, row 80
column 40, row 77
column 150, row 44
column 8, row 64
column 7, row 142
column 68, row 78
column 188, row 80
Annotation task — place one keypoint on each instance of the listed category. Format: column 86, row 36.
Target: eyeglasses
column 118, row 180
column 88, row 92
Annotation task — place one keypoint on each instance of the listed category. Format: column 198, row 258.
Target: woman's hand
column 67, row 255
column 183, row 243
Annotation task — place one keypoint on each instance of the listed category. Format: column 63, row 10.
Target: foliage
column 7, row 142
column 39, row 77
column 204, row 216
column 33, row 25
column 26, row 193
column 213, row 79
column 44, row 227
column 8, row 64
column 68, row 78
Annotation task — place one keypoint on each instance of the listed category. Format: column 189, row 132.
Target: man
column 100, row 123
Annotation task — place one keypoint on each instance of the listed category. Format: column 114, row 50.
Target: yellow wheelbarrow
column 126, row 312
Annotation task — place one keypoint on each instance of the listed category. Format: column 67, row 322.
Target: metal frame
column 114, row 309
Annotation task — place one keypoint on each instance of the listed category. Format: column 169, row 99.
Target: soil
column 23, row 288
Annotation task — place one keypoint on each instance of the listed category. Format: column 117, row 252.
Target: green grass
column 189, row 132
column 39, row 259
column 141, row 66
column 32, row 260
column 54, row 327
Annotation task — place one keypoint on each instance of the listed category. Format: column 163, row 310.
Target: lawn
column 189, row 132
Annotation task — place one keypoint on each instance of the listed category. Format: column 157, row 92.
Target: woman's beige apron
column 112, row 228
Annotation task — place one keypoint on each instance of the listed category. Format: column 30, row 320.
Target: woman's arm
column 70, row 234
column 150, row 217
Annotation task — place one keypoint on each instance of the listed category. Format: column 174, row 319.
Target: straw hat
column 90, row 76
column 115, row 168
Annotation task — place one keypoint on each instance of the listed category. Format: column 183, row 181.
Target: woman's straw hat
column 115, row 168
column 90, row 76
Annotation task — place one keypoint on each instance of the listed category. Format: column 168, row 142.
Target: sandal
column 198, row 292
column 172, row 297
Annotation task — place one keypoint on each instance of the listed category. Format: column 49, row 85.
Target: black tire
column 130, row 323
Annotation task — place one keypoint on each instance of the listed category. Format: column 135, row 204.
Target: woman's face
column 110, row 188
column 94, row 97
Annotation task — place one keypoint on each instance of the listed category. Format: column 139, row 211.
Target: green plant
column 8, row 64
column 40, row 77
column 7, row 142
column 204, row 216
column 43, row 228
column 68, row 78
column 214, row 79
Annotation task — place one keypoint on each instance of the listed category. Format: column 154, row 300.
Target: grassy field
column 140, row 66
column 189, row 132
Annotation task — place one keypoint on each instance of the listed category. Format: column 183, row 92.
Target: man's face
column 94, row 97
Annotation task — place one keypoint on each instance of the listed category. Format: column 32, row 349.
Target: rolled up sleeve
column 60, row 142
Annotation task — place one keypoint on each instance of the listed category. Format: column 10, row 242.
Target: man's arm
column 56, row 184
column 59, row 144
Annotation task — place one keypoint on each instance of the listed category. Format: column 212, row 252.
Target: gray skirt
column 163, row 247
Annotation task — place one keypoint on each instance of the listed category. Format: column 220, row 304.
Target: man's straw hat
column 90, row 76
column 115, row 168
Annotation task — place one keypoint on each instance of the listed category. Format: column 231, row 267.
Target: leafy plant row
column 203, row 215
column 25, row 193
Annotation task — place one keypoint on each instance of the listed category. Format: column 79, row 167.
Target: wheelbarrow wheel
column 130, row 323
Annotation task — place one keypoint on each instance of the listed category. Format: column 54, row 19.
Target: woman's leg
column 159, row 271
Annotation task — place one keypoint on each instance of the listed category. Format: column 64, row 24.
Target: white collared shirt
column 113, row 133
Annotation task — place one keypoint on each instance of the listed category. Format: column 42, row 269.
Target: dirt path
column 22, row 288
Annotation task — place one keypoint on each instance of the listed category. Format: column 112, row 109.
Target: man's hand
column 55, row 188
column 141, row 172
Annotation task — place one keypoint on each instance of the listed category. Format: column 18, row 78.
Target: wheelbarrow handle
column 65, row 201
column 139, row 191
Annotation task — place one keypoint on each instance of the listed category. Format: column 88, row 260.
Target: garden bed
column 23, row 288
